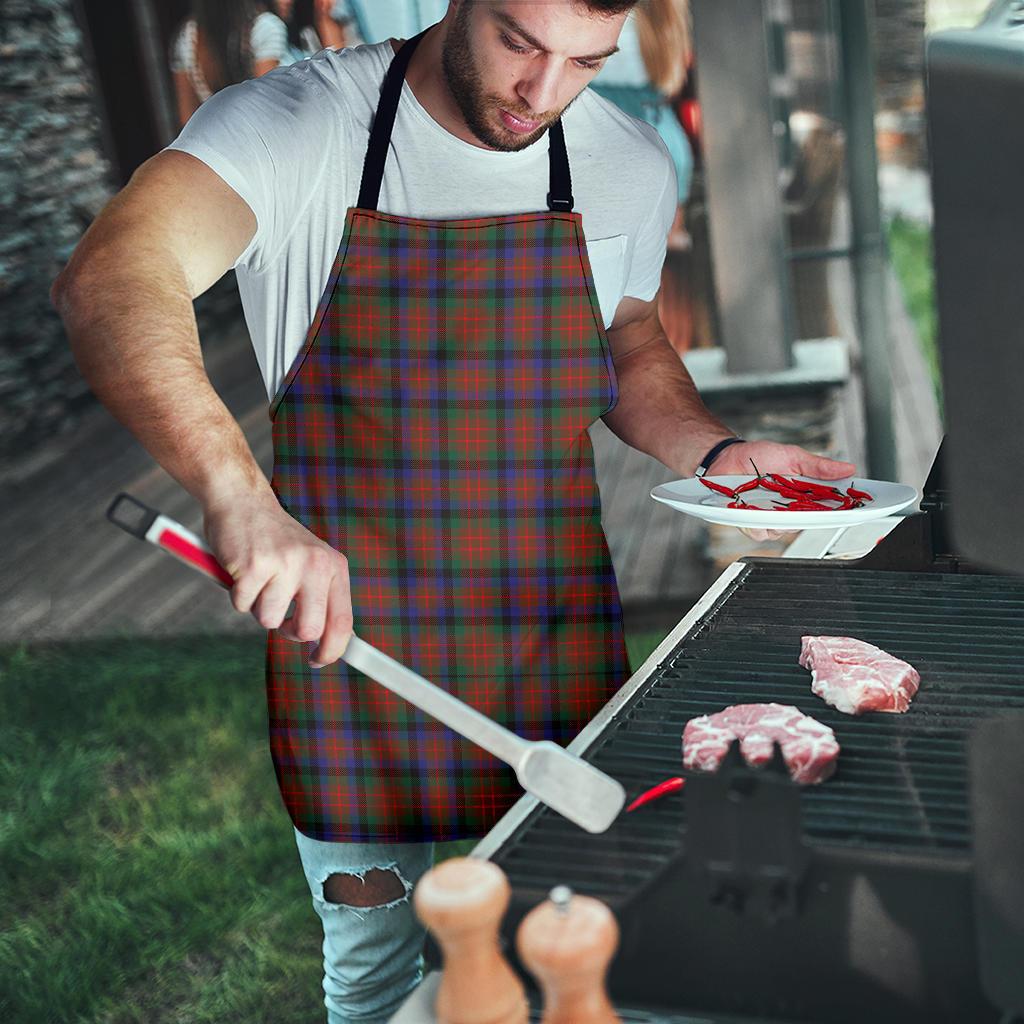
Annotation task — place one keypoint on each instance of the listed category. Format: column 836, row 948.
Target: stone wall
column 54, row 179
column 899, row 53
column 899, row 82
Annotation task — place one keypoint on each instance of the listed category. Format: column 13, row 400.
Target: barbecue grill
column 895, row 890
column 745, row 896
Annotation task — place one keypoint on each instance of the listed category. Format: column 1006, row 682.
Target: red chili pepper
column 721, row 489
column 807, row 506
column 786, row 492
column 750, row 485
column 809, row 487
column 862, row 495
column 813, row 485
column 668, row 786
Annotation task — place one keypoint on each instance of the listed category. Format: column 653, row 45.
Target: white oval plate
column 693, row 498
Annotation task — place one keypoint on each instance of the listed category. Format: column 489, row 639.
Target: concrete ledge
column 818, row 363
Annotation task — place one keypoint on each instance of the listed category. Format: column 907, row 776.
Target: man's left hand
column 771, row 457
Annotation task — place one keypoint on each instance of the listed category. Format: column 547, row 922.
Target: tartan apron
column 433, row 429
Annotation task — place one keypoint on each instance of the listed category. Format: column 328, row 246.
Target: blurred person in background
column 375, row 20
column 314, row 25
column 645, row 79
column 647, row 75
column 221, row 43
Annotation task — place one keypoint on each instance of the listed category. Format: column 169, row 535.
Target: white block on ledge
column 820, row 362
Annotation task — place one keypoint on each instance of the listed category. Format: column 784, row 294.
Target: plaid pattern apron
column 433, row 429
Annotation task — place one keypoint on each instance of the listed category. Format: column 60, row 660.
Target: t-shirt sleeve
column 269, row 37
column 269, row 139
column 652, row 238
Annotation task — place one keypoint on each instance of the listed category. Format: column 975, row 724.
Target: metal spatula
column 564, row 782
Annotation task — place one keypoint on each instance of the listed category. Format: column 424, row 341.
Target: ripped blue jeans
column 373, row 956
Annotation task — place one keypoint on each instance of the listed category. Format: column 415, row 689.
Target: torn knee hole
column 374, row 889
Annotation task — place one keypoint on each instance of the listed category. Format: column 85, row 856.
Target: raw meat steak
column 808, row 747
column 855, row 677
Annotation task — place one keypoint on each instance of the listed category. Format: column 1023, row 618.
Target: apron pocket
column 608, row 265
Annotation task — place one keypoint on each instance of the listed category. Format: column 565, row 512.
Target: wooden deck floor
column 68, row 573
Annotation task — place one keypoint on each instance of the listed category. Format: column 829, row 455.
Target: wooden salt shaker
column 462, row 901
column 567, row 943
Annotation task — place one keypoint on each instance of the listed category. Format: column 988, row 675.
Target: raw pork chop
column 855, row 677
column 808, row 747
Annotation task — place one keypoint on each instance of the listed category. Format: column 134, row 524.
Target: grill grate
column 901, row 784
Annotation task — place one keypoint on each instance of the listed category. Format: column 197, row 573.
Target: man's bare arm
column 126, row 301
column 659, row 410
column 661, row 413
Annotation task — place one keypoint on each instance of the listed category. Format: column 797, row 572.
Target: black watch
column 705, row 463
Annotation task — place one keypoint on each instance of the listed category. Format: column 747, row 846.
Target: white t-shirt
column 292, row 143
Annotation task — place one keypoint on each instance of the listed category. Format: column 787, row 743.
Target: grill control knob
column 462, row 901
column 567, row 943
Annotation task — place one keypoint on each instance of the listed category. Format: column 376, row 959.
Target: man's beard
column 465, row 84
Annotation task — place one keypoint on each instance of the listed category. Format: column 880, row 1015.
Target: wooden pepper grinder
column 462, row 901
column 567, row 943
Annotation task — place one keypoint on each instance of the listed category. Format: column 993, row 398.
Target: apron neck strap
column 560, row 185
column 383, row 122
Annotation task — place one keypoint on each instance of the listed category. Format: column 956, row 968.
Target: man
column 440, row 307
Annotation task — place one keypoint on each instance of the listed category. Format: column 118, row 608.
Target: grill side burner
column 881, row 924
column 921, row 543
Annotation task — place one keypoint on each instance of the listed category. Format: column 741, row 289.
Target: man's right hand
column 273, row 560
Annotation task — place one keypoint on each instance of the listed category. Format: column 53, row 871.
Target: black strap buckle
column 560, row 205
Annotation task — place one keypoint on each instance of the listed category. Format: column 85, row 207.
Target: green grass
column 910, row 248
column 147, row 867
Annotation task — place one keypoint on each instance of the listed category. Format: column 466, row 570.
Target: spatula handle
column 147, row 524
column 466, row 721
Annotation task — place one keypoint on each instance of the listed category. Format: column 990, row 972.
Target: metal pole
column 857, row 69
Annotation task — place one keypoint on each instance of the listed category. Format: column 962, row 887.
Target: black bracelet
column 705, row 463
